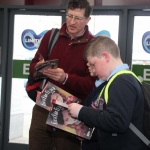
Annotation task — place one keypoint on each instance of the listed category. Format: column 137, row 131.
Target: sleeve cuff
column 79, row 112
column 66, row 77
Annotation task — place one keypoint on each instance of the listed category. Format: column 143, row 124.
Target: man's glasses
column 76, row 18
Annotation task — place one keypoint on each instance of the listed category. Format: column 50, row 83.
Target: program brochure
column 56, row 101
column 39, row 68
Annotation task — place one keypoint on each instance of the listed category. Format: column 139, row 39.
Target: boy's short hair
column 81, row 4
column 100, row 44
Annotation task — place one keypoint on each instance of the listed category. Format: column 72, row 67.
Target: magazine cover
column 59, row 117
column 53, row 94
column 56, row 100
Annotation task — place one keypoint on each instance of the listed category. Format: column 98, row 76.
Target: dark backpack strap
column 32, row 87
column 52, row 40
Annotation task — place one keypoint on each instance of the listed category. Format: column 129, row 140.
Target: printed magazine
column 51, row 93
column 56, row 100
column 59, row 118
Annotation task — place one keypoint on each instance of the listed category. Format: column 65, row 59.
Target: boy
column 125, row 99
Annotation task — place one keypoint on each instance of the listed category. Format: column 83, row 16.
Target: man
column 125, row 99
column 71, row 75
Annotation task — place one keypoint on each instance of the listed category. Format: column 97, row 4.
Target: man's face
column 76, row 21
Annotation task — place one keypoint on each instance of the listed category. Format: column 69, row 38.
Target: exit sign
column 143, row 71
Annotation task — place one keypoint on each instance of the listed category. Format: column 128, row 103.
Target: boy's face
column 98, row 66
column 76, row 21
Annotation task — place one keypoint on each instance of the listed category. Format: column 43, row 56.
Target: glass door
column 108, row 23
column 138, row 54
column 25, row 33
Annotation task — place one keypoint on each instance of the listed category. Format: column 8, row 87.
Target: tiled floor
column 28, row 106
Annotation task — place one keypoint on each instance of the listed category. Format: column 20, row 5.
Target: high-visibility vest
column 106, row 87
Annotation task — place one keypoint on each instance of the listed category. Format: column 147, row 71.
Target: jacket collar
column 84, row 38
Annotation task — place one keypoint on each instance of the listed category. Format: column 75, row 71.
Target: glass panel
column 28, row 32
column 141, row 40
column 141, row 47
column 105, row 25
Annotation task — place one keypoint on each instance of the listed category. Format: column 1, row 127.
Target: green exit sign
column 21, row 68
column 143, row 71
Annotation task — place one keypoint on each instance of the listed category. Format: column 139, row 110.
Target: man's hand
column 41, row 61
column 55, row 74
column 74, row 109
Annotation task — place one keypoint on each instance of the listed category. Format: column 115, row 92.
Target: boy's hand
column 74, row 109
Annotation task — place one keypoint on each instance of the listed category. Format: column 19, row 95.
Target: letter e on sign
column 26, row 69
column 146, row 75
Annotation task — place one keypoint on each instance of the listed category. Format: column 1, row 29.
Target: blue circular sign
column 146, row 41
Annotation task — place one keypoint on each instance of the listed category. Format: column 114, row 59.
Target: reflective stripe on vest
column 106, row 87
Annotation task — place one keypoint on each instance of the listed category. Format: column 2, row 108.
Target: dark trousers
column 90, row 145
column 42, row 139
